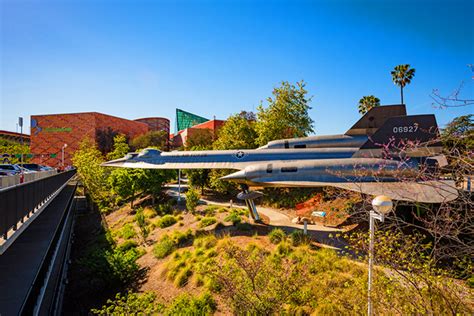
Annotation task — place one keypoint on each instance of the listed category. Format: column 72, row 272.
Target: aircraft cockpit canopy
column 149, row 152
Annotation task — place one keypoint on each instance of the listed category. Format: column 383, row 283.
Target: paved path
column 321, row 233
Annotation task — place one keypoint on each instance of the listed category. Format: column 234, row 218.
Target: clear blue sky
column 145, row 58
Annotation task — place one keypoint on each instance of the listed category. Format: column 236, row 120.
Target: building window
column 289, row 169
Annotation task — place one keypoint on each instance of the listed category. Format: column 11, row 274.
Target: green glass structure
column 185, row 120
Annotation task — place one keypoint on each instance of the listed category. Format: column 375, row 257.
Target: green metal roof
column 185, row 120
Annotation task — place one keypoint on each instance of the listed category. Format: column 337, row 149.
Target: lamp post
column 382, row 205
column 62, row 155
column 179, row 185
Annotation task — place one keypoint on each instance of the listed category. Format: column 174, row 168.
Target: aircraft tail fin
column 375, row 118
column 414, row 135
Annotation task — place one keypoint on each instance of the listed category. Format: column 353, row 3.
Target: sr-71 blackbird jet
column 386, row 152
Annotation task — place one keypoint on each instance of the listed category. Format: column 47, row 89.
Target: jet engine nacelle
column 334, row 170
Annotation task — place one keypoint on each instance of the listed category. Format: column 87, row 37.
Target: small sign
column 318, row 214
column 53, row 155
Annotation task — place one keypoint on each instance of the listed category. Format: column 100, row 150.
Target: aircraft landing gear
column 248, row 196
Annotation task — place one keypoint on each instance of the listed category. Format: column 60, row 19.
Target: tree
column 126, row 182
column 156, row 139
column 87, row 160
column 192, row 199
column 454, row 99
column 202, row 138
column 286, row 115
column 367, row 102
column 105, row 139
column 459, row 134
column 153, row 180
column 13, row 151
column 120, row 147
column 401, row 76
column 414, row 285
column 238, row 132
column 198, row 178
column 142, row 223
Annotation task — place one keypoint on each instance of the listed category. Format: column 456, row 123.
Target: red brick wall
column 130, row 128
column 156, row 123
column 53, row 131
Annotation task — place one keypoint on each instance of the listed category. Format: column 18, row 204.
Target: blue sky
column 146, row 58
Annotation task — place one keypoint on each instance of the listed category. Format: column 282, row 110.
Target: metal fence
column 20, row 201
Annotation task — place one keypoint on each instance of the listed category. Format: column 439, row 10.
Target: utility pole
column 20, row 123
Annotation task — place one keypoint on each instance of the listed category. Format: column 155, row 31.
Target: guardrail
column 20, row 201
column 8, row 181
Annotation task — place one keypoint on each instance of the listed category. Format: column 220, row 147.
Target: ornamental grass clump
column 276, row 236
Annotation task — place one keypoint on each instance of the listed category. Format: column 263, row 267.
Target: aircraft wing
column 439, row 191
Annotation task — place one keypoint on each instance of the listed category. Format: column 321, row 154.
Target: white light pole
column 62, row 154
column 382, row 205
column 179, row 185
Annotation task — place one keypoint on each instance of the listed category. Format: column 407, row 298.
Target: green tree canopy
column 238, row 132
column 286, row 115
column 401, row 76
column 14, row 150
column 126, row 182
column 120, row 148
column 94, row 177
column 156, row 139
column 202, row 138
column 459, row 133
column 367, row 102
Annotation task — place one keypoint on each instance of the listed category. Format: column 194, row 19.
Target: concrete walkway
column 323, row 235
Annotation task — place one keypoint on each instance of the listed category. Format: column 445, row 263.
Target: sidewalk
column 277, row 219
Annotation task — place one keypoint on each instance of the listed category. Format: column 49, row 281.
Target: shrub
column 192, row 199
column 233, row 217
column 205, row 242
column 167, row 221
column 210, row 210
column 164, row 208
column 180, row 239
column 164, row 247
column 142, row 224
column 128, row 231
column 188, row 305
column 276, row 235
column 207, row 221
column 298, row 237
column 183, row 276
column 123, row 264
column 130, row 304
column 150, row 213
column 283, row 248
column 127, row 245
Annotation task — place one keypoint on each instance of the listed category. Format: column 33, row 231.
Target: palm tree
column 401, row 76
column 367, row 102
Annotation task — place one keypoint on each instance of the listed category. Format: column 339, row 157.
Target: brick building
column 15, row 137
column 156, row 123
column 179, row 139
column 50, row 133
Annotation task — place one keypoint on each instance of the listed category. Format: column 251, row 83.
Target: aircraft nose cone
column 239, row 175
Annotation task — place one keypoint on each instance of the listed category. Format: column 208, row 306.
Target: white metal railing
column 8, row 181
